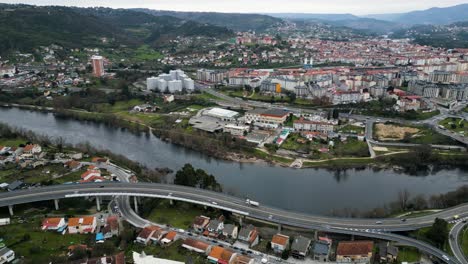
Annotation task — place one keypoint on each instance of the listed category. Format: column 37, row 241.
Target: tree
column 285, row 254
column 403, row 198
column 438, row 233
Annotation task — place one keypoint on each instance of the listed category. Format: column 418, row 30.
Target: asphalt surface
column 225, row 202
column 454, row 240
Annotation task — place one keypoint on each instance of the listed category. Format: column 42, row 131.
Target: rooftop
column 350, row 248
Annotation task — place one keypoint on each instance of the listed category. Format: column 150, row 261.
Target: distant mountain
column 306, row 16
column 25, row 27
column 369, row 25
column 432, row 16
column 445, row 36
column 233, row 21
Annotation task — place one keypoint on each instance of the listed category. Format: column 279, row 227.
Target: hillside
column 26, row 27
column 446, row 36
column 432, row 16
column 233, row 21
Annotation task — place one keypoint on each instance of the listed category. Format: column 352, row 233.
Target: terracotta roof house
column 219, row 255
column 354, row 251
column 54, row 224
column 200, row 223
column 196, row 246
column 146, row 234
column 279, row 243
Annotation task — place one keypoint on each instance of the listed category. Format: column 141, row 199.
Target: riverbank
column 224, row 148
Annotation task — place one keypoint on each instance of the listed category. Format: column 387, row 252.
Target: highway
column 454, row 241
column 362, row 227
column 224, row 202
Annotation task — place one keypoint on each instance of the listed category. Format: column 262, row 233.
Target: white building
column 175, row 86
column 175, row 81
column 6, row 255
column 223, row 114
column 151, row 83
column 236, row 130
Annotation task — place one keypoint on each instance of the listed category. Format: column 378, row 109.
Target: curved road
column 454, row 241
column 362, row 227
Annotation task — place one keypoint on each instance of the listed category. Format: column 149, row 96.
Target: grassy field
column 351, row 148
column 344, row 162
column 28, row 240
column 179, row 215
column 292, row 143
column 408, row 254
column 350, row 129
column 12, row 142
column 266, row 156
column 410, row 134
column 464, row 242
column 457, row 125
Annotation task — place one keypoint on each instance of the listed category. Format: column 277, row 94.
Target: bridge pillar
column 135, row 202
column 98, row 203
column 171, row 202
column 316, row 235
column 56, row 203
column 352, row 237
column 279, row 228
column 10, row 209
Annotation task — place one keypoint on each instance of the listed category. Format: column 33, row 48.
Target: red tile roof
column 352, row 248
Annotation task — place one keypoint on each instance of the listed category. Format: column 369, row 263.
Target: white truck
column 253, row 203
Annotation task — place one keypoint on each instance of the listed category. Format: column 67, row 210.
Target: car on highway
column 403, row 219
column 378, row 222
column 445, row 257
column 215, row 203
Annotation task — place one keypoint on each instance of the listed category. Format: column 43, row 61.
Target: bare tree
column 403, row 198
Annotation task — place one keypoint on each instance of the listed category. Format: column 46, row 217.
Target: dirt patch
column 393, row 132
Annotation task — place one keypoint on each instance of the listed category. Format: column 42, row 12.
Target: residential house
column 158, row 235
column 300, row 247
column 268, row 118
column 196, row 246
column 73, row 165
column 388, row 253
column 220, row 255
column 309, row 125
column 54, row 224
column 214, row 228
column 170, row 237
column 146, row 233
column 408, row 103
column 230, row 231
column 15, row 185
column 6, row 255
column 249, row 234
column 242, row 259
column 279, row 243
column 32, row 149
column 321, row 250
column 83, row 225
column 112, row 227
column 100, row 160
column 354, row 252
column 93, row 174
column 200, row 223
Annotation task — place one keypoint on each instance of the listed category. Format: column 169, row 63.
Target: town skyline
column 364, row 7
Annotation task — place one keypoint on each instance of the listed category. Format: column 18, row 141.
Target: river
column 317, row 191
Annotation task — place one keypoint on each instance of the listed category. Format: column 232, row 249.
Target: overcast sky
column 357, row 7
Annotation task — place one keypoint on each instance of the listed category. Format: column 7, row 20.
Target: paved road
column 222, row 201
column 454, row 241
column 362, row 227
